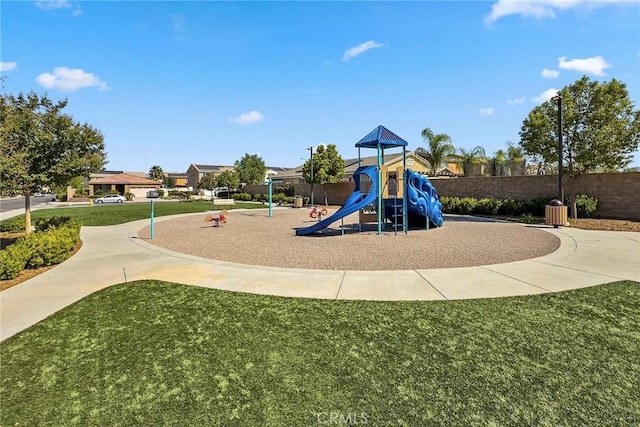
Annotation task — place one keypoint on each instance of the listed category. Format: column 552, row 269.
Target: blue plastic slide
column 356, row 201
column 423, row 199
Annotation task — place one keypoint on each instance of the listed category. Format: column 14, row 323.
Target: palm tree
column 439, row 148
column 156, row 173
column 469, row 157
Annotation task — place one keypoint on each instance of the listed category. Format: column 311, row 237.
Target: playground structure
column 217, row 219
column 382, row 190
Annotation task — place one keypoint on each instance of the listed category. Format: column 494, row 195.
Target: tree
column 251, row 169
column 208, row 182
column 42, row 146
column 601, row 130
column 439, row 147
column 156, row 173
column 469, row 157
column 169, row 182
column 328, row 166
column 228, row 179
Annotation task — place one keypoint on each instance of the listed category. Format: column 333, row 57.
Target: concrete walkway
column 114, row 254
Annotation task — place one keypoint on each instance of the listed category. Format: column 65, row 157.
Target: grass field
column 157, row 353
column 121, row 213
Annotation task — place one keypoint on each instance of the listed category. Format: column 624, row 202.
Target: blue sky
column 175, row 83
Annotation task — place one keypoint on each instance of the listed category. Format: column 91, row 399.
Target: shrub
column 160, row 192
column 41, row 248
column 487, row 206
column 50, row 247
column 467, row 205
column 585, row 205
column 44, row 224
column 98, row 193
column 13, row 260
column 14, row 225
column 243, row 197
column 113, row 192
column 129, row 196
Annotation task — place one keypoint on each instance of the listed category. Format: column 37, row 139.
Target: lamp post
column 311, row 149
column 558, row 99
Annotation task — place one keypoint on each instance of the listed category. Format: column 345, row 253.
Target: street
column 12, row 204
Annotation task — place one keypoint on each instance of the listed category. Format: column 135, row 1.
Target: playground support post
column 270, row 197
column 152, row 228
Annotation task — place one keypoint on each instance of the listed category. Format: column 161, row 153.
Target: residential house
column 195, row 173
column 122, row 183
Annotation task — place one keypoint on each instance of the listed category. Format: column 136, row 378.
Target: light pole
column 311, row 149
column 558, row 99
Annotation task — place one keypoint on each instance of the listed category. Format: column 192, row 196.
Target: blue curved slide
column 423, row 199
column 356, row 201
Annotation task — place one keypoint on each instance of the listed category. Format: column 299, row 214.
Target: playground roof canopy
column 383, row 138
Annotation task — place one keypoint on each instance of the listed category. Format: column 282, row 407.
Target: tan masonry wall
column 618, row 194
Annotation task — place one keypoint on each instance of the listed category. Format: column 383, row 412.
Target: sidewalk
column 114, row 254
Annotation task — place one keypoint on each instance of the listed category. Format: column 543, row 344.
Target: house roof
column 211, row 168
column 123, row 178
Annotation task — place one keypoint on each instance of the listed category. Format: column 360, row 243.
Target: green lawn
column 121, row 213
column 155, row 353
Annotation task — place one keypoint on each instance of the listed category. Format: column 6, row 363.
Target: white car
column 110, row 198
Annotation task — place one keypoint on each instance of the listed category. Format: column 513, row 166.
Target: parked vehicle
column 38, row 195
column 110, row 198
column 152, row 194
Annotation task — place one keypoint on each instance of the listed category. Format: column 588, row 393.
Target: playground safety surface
column 253, row 238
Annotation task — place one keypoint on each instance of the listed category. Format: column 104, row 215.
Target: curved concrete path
column 114, row 254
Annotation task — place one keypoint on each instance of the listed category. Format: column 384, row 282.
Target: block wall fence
column 618, row 194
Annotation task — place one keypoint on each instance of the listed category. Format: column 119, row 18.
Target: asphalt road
column 11, row 204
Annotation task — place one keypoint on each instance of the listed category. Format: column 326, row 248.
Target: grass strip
column 121, row 213
column 157, row 353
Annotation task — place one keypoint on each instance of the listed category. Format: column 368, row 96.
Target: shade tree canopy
column 251, row 169
column 601, row 129
column 328, row 165
column 40, row 146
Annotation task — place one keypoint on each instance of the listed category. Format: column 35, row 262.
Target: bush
column 98, row 193
column 160, row 192
column 12, row 261
column 129, row 196
column 487, row 206
column 243, row 197
column 585, row 205
column 14, row 225
column 41, row 248
column 44, row 224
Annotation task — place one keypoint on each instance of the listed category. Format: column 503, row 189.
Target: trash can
column 297, row 202
column 555, row 213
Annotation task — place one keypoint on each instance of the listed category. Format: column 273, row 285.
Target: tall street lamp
column 311, row 149
column 558, row 99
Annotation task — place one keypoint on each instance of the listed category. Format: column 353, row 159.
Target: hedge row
column 275, row 198
column 50, row 244
column 585, row 205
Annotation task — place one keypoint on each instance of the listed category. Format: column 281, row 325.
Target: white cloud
column 540, row 9
column 59, row 4
column 360, row 49
column 247, row 118
column 67, row 79
column 8, row 66
column 595, row 65
column 546, row 95
column 486, row 111
column 516, row 101
column 550, row 74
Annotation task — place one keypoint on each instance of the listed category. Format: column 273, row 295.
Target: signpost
column 271, row 182
column 152, row 230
